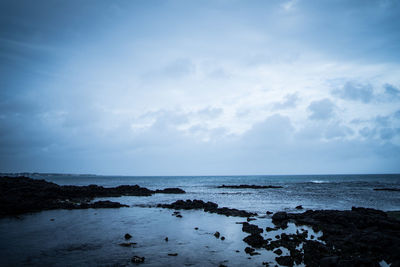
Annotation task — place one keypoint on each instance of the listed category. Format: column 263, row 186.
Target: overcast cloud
column 200, row 87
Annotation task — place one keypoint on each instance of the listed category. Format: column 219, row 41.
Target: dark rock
column 127, row 236
column 299, row 207
column 250, row 186
column 368, row 233
column 206, row 206
column 249, row 250
column 128, row 244
column 251, row 228
column 279, row 216
column 387, row 189
column 269, row 229
column 278, row 251
column 269, row 212
column 170, row 191
column 329, row 261
column 222, row 237
column 173, row 254
column 22, row 194
column 285, row 261
column 166, row 239
column 237, row 251
column 179, row 216
column 254, row 240
column 217, row 234
column 196, row 228
column 250, row 219
column 137, row 259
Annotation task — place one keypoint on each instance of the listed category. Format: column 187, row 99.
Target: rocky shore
column 22, row 194
column 356, row 237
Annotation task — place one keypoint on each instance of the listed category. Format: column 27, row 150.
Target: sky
column 222, row 87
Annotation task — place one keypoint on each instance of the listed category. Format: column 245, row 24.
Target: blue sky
column 200, row 87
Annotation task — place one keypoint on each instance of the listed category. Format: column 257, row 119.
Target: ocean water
column 311, row 191
column 91, row 237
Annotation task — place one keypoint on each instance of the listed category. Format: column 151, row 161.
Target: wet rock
column 280, row 219
column 127, row 236
column 196, row 228
column 170, row 191
column 251, row 219
column 299, row 207
column 205, row 206
column 249, row 250
column 269, row 212
column 251, row 228
column 217, row 234
column 222, row 237
column 137, row 259
column 173, row 254
column 284, row 261
column 250, row 186
column 22, row 194
column 254, row 240
column 269, row 229
column 237, row 251
column 179, row 216
column 166, row 239
column 368, row 233
column 127, row 244
column 329, row 261
column 278, row 251
column 279, row 216
column 387, row 189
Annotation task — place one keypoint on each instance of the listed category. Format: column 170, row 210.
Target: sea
column 92, row 237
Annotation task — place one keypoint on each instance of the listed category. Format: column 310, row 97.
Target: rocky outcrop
column 356, row 237
column 205, row 206
column 22, row 194
column 387, row 189
column 250, row 186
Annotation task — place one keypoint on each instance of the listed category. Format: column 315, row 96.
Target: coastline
column 260, row 237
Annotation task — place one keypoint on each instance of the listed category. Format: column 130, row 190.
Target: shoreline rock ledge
column 20, row 195
column 210, row 207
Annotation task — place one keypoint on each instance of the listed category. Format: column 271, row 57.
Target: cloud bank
column 193, row 88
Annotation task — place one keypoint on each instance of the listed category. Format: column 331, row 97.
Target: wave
column 320, row 182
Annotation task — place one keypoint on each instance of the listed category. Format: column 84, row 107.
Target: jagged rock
column 206, row 206
column 285, row 260
column 137, row 259
column 251, row 228
column 217, row 234
column 127, row 236
column 254, row 240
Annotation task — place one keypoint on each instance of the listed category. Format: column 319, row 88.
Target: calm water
column 91, row 237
